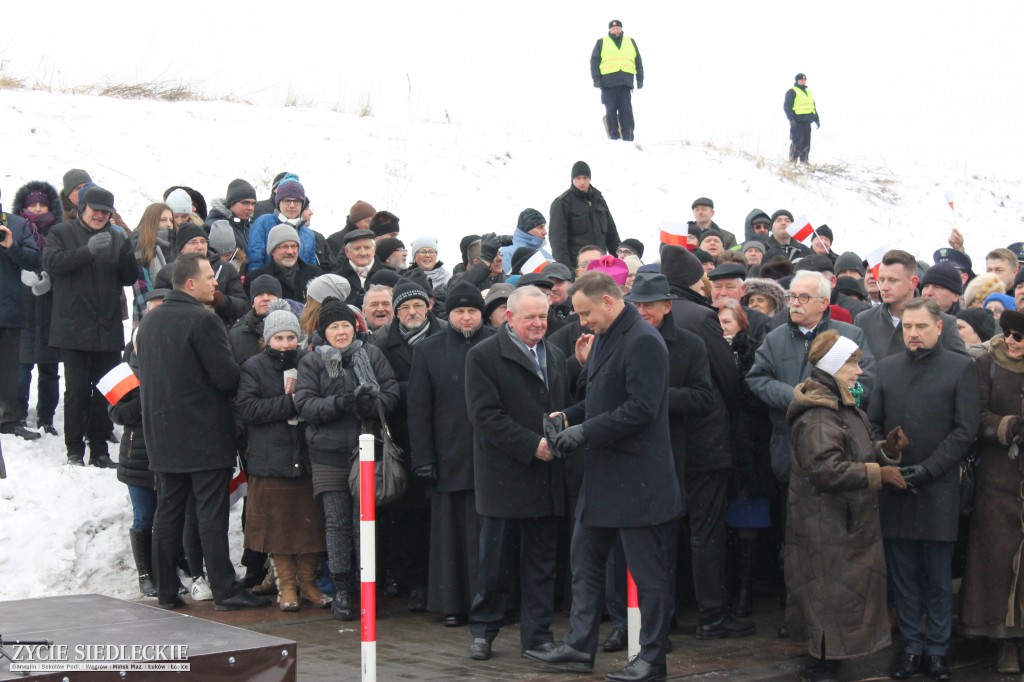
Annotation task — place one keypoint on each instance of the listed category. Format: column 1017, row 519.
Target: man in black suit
column 630, row 491
column 513, row 380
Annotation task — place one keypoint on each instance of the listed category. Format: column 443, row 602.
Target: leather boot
column 142, row 549
column 307, row 570
column 744, row 603
column 341, row 605
column 269, row 584
column 287, row 584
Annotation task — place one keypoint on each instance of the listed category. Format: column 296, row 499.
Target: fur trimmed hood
column 56, row 207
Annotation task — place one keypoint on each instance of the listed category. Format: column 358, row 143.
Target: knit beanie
column 529, row 219
column 580, row 168
column 222, row 237
column 520, row 256
column 981, row 322
column 387, row 246
column 424, row 242
column 1006, row 301
column 280, row 318
column 944, row 275
column 464, row 294
column 360, row 211
column 186, row 233
column 73, row 178
column 384, row 276
column 1019, row 278
column 680, row 267
column 703, row 256
column 850, row 261
column 179, row 201
column 405, row 290
column 239, row 189
column 36, row 197
column 334, row 310
column 826, row 231
column 280, row 234
column 384, row 222
column 326, row 286
column 851, row 286
column 264, row 284
column 753, row 244
column 289, row 188
column 710, row 232
column 781, row 212
column 614, row 267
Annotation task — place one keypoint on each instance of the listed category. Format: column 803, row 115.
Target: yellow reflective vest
column 615, row 59
column 803, row 103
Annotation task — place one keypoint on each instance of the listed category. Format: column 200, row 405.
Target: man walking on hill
column 802, row 112
column 613, row 64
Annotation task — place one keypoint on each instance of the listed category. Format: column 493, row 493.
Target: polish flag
column 949, row 198
column 674, row 233
column 534, row 264
column 238, row 486
column 800, row 229
column 117, row 383
column 874, row 258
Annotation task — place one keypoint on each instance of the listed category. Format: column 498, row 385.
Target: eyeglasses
column 760, row 226
column 291, row 202
column 1017, row 336
column 416, row 306
column 426, row 252
column 804, row 299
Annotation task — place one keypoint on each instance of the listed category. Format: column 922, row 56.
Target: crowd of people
column 566, row 402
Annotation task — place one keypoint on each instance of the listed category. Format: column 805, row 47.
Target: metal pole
column 632, row 615
column 367, row 557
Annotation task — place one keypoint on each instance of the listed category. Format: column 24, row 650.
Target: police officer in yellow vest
column 801, row 112
column 613, row 64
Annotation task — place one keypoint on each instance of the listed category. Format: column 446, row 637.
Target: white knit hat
column 179, row 201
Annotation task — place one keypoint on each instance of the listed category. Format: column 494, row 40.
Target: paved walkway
column 418, row 647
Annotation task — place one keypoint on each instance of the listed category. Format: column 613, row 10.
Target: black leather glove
column 568, row 440
column 345, row 403
column 426, row 472
column 639, row 85
column 99, row 243
column 597, row 82
column 366, row 401
column 916, row 476
column 367, row 389
column 489, row 245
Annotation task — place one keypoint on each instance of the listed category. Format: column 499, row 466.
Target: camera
column 505, row 240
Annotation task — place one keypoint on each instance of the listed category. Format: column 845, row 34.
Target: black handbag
column 390, row 477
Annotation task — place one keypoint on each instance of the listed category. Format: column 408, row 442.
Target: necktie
column 533, row 354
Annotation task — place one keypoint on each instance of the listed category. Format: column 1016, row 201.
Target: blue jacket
column 23, row 254
column 256, row 249
column 520, row 239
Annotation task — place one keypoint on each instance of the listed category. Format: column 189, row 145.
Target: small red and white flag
column 949, row 199
column 800, row 229
column 534, row 264
column 674, row 233
column 238, row 486
column 874, row 258
column 117, row 383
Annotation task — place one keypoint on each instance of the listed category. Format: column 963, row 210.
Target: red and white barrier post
column 367, row 557
column 632, row 616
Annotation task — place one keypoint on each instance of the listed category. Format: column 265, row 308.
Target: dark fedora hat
column 649, row 287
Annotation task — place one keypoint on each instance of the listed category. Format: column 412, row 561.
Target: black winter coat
column 305, row 273
column 357, row 291
column 579, row 219
column 934, row 396
column 438, row 416
column 132, row 460
column 23, row 254
column 188, row 377
column 87, row 291
column 277, row 449
column 245, row 336
column 333, row 429
column 35, row 337
column 629, row 477
column 229, row 283
column 507, row 401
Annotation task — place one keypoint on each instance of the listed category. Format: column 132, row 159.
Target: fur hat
column 1012, row 321
column 280, row 318
column 281, row 234
column 979, row 288
column 635, row 245
column 768, row 288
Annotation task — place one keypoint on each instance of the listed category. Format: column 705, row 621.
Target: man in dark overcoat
column 932, row 392
column 188, row 376
column 442, row 452
column 514, row 379
column 630, row 491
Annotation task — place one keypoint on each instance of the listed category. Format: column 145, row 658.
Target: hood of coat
column 748, row 224
column 56, row 208
column 997, row 348
column 820, row 390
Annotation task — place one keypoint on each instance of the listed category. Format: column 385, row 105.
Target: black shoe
column 480, row 649
column 937, row 668
column 639, row 670
column 178, row 603
column 20, row 430
column 341, row 604
column 821, row 671
column 241, row 601
column 546, row 646
column 616, row 641
column 77, row 460
column 726, row 626
column 47, row 427
column 418, row 600
column 102, row 462
column 254, row 575
column 393, row 590
column 906, row 667
column 454, row 620
column 563, row 656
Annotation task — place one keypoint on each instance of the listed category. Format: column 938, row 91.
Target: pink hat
column 616, row 268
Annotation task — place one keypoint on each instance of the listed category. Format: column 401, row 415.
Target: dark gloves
column 366, row 400
column 220, row 301
column 345, row 403
column 568, row 440
column 99, row 244
column 489, row 245
column 916, row 476
column 597, row 82
column 816, row 123
column 895, row 443
column 426, row 472
column 639, row 85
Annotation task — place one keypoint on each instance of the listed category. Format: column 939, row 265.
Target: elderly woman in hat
column 834, row 559
column 339, row 386
column 993, row 585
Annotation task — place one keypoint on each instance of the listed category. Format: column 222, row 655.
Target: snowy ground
column 64, row 530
